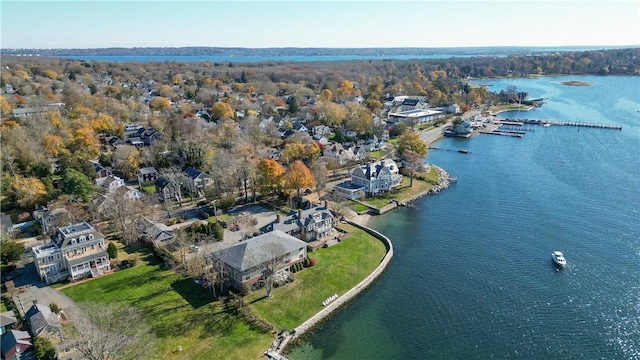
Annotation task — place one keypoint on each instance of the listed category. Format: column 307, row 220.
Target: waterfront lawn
column 359, row 208
column 507, row 107
column 404, row 191
column 338, row 269
column 179, row 312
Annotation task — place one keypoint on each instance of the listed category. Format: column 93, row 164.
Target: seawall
column 342, row 299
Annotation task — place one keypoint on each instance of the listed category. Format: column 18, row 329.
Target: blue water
column 472, row 276
column 247, row 59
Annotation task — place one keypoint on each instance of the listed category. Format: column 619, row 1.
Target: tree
column 270, row 173
column 413, row 162
column 124, row 213
column 76, row 183
column 126, row 159
column 112, row 250
column 28, row 191
column 112, row 330
column 221, row 110
column 410, row 140
column 43, row 349
column 10, row 251
column 275, row 253
column 319, row 171
column 325, row 95
column 160, row 103
column 298, row 177
column 293, row 105
column 182, row 241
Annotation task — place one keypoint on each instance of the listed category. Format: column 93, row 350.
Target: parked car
column 194, row 248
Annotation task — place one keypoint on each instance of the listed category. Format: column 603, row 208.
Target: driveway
column 263, row 215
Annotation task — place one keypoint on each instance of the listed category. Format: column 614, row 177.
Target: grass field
column 179, row 312
column 338, row 269
column 184, row 314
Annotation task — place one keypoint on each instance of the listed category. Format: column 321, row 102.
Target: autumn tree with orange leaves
column 270, row 172
column 297, row 177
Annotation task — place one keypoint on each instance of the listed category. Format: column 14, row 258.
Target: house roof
column 147, row 171
column 304, row 218
column 65, row 234
column 5, row 222
column 13, row 338
column 193, row 173
column 163, row 182
column 410, row 102
column 155, row 231
column 39, row 317
column 7, row 318
column 258, row 250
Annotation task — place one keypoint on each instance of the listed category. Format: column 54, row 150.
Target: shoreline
column 339, row 302
column 362, row 221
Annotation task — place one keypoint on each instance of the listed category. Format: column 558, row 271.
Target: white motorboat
column 558, row 258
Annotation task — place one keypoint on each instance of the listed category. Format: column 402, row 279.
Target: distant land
column 293, row 51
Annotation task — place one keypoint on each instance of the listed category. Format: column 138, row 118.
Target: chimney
column 299, row 214
column 35, row 301
column 326, row 204
column 278, row 218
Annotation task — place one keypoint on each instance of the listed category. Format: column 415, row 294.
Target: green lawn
column 179, row 312
column 404, row 191
column 357, row 207
column 3, row 307
column 507, row 107
column 338, row 269
column 149, row 189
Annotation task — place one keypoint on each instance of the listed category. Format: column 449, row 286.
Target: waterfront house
column 377, row 177
column 307, row 225
column 75, row 251
column 349, row 190
column 245, row 263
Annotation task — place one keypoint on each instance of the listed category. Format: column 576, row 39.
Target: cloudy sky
column 309, row 23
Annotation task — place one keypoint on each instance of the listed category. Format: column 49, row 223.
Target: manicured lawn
column 404, row 191
column 179, row 312
column 357, row 207
column 3, row 307
column 507, row 107
column 338, row 269
column 149, row 189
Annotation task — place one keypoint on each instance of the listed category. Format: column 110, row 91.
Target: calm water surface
column 472, row 276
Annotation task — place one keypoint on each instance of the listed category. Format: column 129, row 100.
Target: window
column 90, row 236
column 82, row 239
column 73, row 241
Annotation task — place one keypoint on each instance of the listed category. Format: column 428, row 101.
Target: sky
column 31, row 24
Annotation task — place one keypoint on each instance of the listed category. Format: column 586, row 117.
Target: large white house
column 75, row 251
column 377, row 177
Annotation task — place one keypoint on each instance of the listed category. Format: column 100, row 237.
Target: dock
column 562, row 123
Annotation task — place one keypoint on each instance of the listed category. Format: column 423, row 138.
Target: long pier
column 562, row 123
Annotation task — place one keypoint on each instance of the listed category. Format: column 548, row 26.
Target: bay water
column 472, row 275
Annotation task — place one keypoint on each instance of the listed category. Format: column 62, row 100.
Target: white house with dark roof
column 75, row 251
column 245, row 263
column 377, row 177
